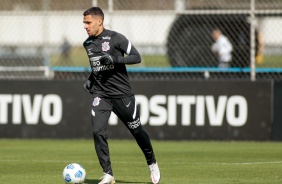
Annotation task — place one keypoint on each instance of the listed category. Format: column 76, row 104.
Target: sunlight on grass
column 273, row 61
column 78, row 57
column 42, row 161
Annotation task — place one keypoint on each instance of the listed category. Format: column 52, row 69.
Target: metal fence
column 43, row 38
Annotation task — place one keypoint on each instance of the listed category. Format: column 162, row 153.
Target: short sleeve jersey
column 109, row 80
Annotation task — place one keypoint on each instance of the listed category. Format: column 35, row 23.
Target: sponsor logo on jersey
column 94, row 61
column 96, row 101
column 97, row 69
column 105, row 46
column 89, row 51
column 106, row 37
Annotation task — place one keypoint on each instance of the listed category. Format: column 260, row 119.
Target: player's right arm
column 88, row 85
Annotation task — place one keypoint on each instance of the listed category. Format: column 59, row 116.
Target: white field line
column 166, row 163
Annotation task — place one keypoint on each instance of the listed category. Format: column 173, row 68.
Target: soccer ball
column 74, row 173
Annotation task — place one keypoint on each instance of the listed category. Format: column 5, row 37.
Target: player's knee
column 137, row 130
column 99, row 134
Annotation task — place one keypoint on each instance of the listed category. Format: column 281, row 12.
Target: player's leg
column 100, row 113
column 126, row 110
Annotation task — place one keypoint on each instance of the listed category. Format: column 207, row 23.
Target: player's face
column 93, row 25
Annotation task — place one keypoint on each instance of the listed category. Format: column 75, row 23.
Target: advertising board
column 169, row 110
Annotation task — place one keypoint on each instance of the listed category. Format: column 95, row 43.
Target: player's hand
column 87, row 86
column 107, row 59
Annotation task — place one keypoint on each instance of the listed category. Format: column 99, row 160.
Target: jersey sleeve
column 133, row 56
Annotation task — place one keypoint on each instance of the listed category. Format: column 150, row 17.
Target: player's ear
column 100, row 21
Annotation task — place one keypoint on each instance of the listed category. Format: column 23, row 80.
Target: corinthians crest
column 96, row 101
column 105, row 46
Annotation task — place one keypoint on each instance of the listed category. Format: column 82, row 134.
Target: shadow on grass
column 94, row 181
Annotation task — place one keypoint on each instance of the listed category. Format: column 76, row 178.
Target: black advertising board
column 277, row 112
column 224, row 110
column 44, row 109
column 174, row 110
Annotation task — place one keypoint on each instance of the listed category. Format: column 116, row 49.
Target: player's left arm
column 125, row 47
column 133, row 56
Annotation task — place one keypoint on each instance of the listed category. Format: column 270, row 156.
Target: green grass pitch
column 34, row 161
column 78, row 57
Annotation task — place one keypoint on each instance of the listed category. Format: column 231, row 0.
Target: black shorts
column 124, row 108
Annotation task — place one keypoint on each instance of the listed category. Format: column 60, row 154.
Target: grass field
column 78, row 57
column 193, row 162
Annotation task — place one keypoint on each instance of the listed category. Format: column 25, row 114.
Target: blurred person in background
column 259, row 48
column 65, row 51
column 109, row 84
column 222, row 48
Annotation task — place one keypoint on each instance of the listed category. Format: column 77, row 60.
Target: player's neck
column 99, row 32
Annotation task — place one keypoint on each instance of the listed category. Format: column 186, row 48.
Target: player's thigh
column 126, row 109
column 100, row 113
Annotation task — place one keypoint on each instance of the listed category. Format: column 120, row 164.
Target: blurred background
column 42, row 39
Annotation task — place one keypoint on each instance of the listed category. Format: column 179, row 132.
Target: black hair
column 94, row 11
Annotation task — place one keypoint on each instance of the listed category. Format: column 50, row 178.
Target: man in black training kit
column 109, row 84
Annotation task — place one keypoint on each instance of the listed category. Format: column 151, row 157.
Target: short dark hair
column 94, row 11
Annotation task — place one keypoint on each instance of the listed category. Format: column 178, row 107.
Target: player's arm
column 123, row 44
column 89, row 84
column 133, row 56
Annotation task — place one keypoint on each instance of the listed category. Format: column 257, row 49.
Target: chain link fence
column 42, row 39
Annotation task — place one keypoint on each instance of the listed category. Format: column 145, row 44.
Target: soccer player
column 109, row 84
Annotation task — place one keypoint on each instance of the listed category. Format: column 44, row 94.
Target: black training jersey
column 110, row 80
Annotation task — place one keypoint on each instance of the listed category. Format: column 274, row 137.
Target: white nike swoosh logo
column 128, row 104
